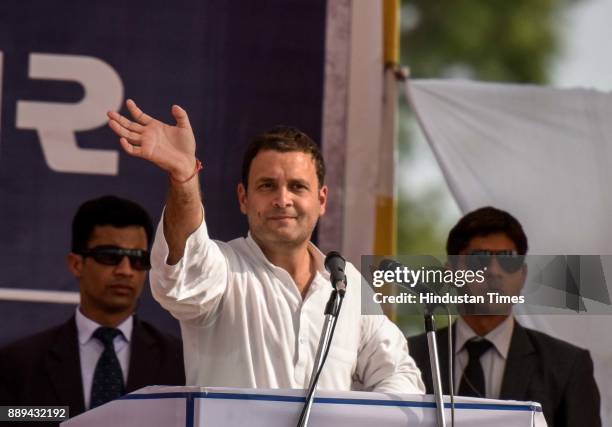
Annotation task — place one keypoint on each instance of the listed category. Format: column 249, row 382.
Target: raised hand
column 172, row 148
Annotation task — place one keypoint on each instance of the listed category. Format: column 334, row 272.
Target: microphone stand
column 430, row 330
column 332, row 309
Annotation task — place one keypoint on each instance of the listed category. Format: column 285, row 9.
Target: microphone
column 418, row 287
column 334, row 263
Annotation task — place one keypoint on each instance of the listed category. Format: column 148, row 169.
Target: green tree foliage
column 510, row 41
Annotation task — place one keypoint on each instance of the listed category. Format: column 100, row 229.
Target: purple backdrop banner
column 237, row 67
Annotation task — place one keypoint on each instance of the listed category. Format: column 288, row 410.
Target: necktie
column 108, row 379
column 473, row 381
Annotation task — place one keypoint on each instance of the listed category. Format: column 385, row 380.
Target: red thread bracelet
column 198, row 168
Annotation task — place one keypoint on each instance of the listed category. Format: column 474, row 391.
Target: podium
column 237, row 407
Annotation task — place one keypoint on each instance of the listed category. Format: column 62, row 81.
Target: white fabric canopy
column 544, row 155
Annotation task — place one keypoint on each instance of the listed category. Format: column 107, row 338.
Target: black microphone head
column 334, row 264
column 333, row 261
column 388, row 265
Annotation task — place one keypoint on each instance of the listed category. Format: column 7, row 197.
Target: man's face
column 497, row 279
column 283, row 201
column 110, row 288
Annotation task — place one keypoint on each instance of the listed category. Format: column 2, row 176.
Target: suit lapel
column 519, row 365
column 64, row 368
column 145, row 358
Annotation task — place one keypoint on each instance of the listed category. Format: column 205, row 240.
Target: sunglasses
column 509, row 261
column 113, row 255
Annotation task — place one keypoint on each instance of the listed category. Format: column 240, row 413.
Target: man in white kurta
column 251, row 310
column 245, row 324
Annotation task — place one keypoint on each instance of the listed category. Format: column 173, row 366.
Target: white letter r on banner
column 56, row 123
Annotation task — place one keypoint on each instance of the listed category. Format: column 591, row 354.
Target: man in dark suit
column 104, row 350
column 496, row 357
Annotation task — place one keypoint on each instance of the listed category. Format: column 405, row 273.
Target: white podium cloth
column 232, row 407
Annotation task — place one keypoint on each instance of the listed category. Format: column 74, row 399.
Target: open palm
column 172, row 148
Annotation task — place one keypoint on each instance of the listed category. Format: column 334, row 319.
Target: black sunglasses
column 113, row 255
column 509, row 261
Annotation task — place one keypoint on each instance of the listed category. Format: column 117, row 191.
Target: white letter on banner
column 57, row 122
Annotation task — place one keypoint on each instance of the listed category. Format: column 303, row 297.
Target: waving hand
column 172, row 148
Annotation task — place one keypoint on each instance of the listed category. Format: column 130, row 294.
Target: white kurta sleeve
column 384, row 364
column 192, row 289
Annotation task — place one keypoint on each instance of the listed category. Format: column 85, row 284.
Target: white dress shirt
column 244, row 322
column 90, row 349
column 493, row 361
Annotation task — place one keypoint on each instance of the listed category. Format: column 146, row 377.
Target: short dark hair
column 482, row 222
column 107, row 210
column 284, row 139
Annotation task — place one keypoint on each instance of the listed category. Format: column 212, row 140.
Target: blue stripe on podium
column 190, row 411
column 190, row 396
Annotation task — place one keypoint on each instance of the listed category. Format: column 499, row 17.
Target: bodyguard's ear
column 323, row 199
column 242, row 197
column 75, row 264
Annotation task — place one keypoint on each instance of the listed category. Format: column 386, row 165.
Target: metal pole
column 331, row 317
column 434, row 362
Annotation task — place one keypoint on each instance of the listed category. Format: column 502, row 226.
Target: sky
column 582, row 63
